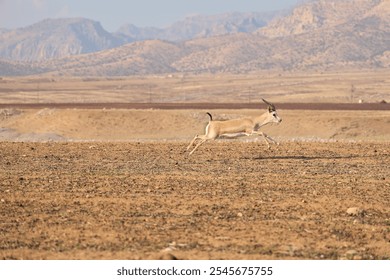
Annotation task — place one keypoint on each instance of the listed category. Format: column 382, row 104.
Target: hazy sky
column 113, row 13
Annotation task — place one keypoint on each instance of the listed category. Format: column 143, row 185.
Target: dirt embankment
column 50, row 124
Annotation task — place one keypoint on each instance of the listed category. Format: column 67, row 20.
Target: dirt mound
column 7, row 134
column 9, row 112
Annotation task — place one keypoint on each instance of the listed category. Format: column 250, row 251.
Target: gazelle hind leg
column 192, row 142
column 199, row 137
column 203, row 139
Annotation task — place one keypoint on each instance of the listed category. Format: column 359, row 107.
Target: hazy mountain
column 58, row 38
column 54, row 38
column 361, row 39
column 138, row 58
column 312, row 36
column 200, row 26
column 320, row 14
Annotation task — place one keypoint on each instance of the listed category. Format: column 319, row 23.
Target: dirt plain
column 231, row 200
column 284, row 87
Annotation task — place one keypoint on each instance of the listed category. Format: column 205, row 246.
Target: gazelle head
column 272, row 114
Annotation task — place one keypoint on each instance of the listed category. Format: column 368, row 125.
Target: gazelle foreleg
column 266, row 138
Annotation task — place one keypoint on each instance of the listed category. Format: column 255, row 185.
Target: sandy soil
column 227, row 201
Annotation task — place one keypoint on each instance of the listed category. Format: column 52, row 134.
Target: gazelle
column 238, row 127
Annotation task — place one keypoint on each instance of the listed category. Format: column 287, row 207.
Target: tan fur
column 238, row 127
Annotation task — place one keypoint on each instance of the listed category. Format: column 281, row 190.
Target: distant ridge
column 55, row 38
column 321, row 15
column 317, row 35
column 58, row 38
column 200, row 26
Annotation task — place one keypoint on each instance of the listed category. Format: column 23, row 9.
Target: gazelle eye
column 274, row 114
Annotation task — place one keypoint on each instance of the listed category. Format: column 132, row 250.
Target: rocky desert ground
column 140, row 200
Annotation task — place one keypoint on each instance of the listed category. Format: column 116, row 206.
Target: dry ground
column 287, row 87
column 227, row 201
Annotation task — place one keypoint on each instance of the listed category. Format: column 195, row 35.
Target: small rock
column 352, row 255
column 167, row 256
column 355, row 211
column 239, row 214
column 356, row 221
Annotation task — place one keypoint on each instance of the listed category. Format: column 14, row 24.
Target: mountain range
column 201, row 26
column 320, row 35
column 58, row 38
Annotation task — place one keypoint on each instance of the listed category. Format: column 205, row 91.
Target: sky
column 114, row 13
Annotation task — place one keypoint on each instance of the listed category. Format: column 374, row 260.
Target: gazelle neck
column 261, row 120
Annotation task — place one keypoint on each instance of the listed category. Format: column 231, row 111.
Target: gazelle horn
column 271, row 107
